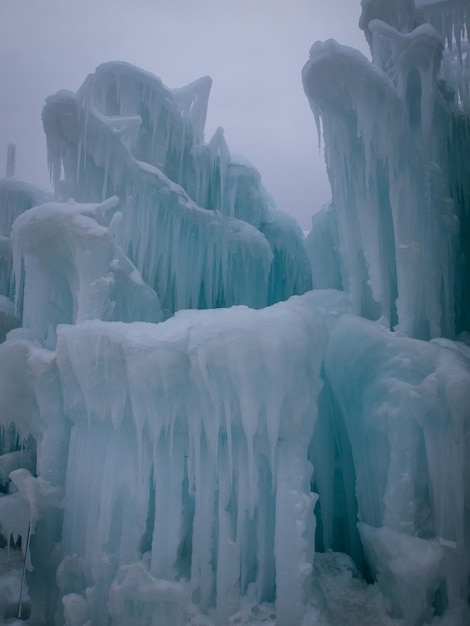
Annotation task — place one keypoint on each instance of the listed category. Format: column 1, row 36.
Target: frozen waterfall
column 190, row 435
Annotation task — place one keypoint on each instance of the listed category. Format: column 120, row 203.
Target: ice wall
column 405, row 405
column 408, row 267
column 220, row 493
column 184, row 472
column 187, row 477
column 181, row 455
column 34, row 438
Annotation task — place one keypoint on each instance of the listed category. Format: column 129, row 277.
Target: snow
column 189, row 435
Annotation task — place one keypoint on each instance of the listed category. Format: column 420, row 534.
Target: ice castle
column 207, row 419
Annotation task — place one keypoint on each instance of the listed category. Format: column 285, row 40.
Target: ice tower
column 396, row 138
column 190, row 435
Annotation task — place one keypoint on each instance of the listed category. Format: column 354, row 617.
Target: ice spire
column 11, row 160
column 387, row 204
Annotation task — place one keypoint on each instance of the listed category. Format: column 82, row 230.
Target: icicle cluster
column 218, row 493
column 195, row 222
column 400, row 264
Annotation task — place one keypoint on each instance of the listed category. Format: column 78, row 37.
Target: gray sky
column 254, row 50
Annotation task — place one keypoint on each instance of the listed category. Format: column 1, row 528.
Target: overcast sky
column 254, row 50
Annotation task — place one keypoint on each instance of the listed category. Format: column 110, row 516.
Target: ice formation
column 188, row 435
column 197, row 223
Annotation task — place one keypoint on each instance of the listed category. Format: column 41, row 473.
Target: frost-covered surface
column 295, row 464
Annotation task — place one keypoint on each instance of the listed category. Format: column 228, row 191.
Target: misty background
column 254, row 50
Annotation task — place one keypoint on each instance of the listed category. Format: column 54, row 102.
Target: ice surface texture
column 244, row 464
